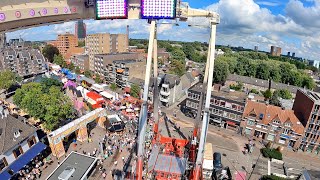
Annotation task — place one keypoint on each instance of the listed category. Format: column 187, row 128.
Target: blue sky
column 290, row 24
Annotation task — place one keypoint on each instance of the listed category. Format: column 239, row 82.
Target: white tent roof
column 107, row 95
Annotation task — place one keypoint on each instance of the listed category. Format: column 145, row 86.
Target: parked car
column 217, row 161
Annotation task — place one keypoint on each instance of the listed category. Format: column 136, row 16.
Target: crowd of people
column 34, row 169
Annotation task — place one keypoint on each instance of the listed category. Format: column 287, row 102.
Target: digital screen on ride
column 158, row 9
column 111, row 9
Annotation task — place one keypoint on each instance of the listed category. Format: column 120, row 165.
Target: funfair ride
column 181, row 12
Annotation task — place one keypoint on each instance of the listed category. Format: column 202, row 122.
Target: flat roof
column 82, row 164
column 224, row 93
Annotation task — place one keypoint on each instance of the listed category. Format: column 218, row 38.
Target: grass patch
column 271, row 153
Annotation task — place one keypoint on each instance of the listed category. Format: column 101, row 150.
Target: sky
column 292, row 25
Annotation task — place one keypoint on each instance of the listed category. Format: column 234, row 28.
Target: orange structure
column 95, row 99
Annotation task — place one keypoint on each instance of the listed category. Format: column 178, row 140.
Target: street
column 230, row 145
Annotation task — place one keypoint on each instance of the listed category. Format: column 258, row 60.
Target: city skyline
column 290, row 24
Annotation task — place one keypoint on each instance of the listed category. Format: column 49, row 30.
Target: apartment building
column 65, row 42
column 22, row 62
column 170, row 89
column 226, row 107
column 81, row 61
column 306, row 107
column 272, row 123
column 105, row 66
column 19, row 145
column 105, row 44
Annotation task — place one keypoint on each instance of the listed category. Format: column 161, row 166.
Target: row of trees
column 45, row 102
column 262, row 68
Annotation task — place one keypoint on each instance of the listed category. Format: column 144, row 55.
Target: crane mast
column 183, row 13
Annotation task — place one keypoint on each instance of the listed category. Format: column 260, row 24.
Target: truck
column 207, row 165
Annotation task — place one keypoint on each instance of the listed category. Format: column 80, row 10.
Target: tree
column 252, row 70
column 7, row 79
column 177, row 67
column 135, row 91
column 178, row 54
column 283, row 93
column 263, row 71
column 232, row 62
column 81, row 43
column 98, row 79
column 113, row 86
column 221, row 72
column 77, row 70
column 49, row 51
column 267, row 94
column 58, row 59
column 88, row 74
column 275, row 74
column 308, row 82
column 48, row 104
column 47, row 83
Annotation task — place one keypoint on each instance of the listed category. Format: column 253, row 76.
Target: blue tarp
column 285, row 136
column 23, row 160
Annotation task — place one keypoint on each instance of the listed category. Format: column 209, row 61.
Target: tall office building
column 80, row 29
column 275, row 51
column 105, row 44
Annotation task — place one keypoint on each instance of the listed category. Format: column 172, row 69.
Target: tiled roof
column 270, row 112
column 8, row 125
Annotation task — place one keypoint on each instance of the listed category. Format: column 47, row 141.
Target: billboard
column 111, row 9
column 158, row 9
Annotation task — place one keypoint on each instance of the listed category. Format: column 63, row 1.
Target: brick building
column 105, row 44
column 272, row 123
column 66, row 42
column 306, row 107
column 226, row 107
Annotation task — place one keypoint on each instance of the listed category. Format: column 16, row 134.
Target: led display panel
column 158, row 9
column 111, row 9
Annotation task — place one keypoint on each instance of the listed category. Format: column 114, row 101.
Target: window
column 32, row 141
column 287, row 124
column 3, row 163
column 222, row 103
column 286, row 131
column 250, row 122
column 276, row 121
column 17, row 152
column 274, row 128
column 248, row 131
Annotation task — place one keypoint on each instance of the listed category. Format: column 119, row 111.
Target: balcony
column 165, row 93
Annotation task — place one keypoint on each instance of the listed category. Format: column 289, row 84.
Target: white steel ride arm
column 205, row 121
column 184, row 12
column 144, row 109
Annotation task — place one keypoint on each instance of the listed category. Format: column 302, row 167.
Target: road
column 232, row 144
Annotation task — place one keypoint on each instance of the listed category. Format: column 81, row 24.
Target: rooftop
column 224, row 93
column 125, row 61
column 311, row 95
column 81, row 163
column 268, row 113
column 261, row 82
column 8, row 126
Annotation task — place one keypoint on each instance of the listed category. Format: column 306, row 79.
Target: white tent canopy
column 107, row 95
